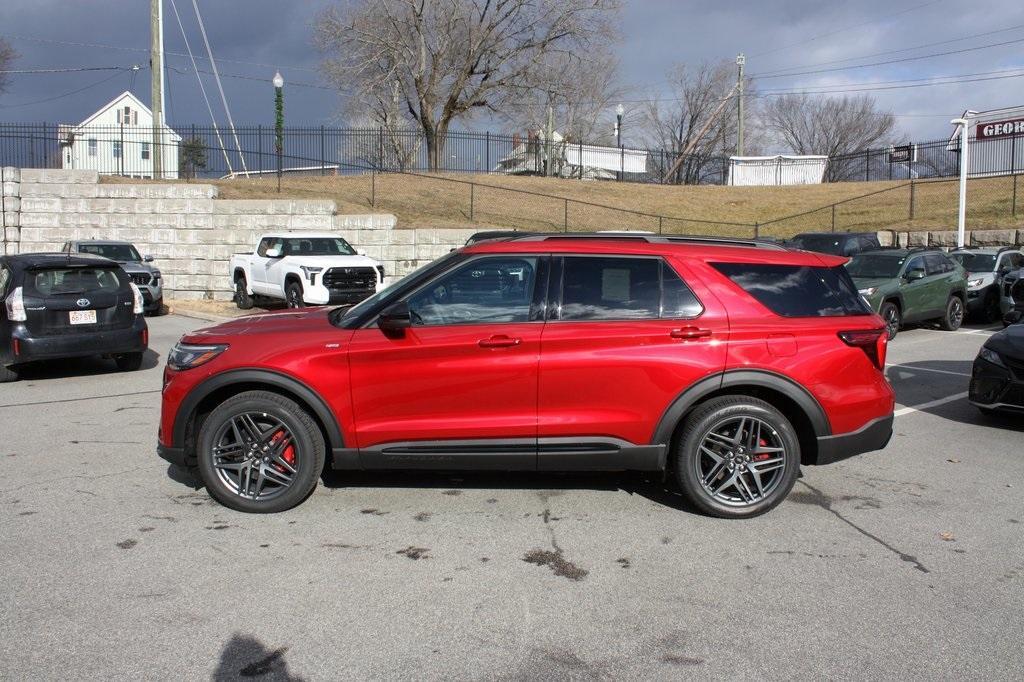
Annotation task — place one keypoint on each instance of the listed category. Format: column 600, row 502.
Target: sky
column 253, row 38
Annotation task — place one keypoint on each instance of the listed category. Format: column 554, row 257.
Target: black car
column 997, row 380
column 59, row 305
column 836, row 243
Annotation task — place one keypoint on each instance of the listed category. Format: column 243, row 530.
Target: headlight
column 156, row 274
column 991, row 356
column 975, row 283
column 870, row 291
column 310, row 271
column 140, row 304
column 187, row 356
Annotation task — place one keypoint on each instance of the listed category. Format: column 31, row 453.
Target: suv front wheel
column 260, row 452
column 954, row 316
column 737, row 457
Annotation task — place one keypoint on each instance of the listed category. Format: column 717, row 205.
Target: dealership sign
column 994, row 129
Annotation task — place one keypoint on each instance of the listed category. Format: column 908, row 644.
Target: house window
column 126, row 116
column 92, row 146
column 145, row 150
column 117, row 149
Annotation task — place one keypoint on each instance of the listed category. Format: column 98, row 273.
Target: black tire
column 954, row 316
column 293, row 295
column 307, row 440
column 128, row 362
column 890, row 312
column 688, row 456
column 242, row 298
column 8, row 374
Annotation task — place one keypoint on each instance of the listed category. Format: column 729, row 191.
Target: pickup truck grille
column 350, row 278
column 141, row 278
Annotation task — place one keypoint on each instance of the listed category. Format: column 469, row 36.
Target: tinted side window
column 915, row 264
column 610, row 288
column 677, row 299
column 937, row 264
column 496, row 289
column 798, row 291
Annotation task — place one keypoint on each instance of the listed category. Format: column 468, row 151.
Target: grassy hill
column 549, row 203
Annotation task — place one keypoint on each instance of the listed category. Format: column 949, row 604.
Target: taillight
column 874, row 342
column 16, row 306
column 145, row 337
column 139, row 306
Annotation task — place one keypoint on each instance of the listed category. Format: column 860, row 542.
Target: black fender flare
column 187, row 408
column 740, row 377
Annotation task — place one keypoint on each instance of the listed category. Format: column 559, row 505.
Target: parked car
column 546, row 353
column 836, row 243
column 997, row 379
column 304, row 268
column 911, row 285
column 1011, row 298
column 59, row 305
column 986, row 267
column 146, row 276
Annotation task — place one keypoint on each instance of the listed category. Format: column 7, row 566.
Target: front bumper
column 321, row 295
column 174, row 455
column 874, row 435
column 996, row 388
column 81, row 343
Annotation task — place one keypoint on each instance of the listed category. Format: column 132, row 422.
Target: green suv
column 911, row 285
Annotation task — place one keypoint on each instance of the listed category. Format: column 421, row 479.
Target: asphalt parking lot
column 903, row 563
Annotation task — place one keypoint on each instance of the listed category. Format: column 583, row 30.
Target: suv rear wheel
column 260, row 452
column 890, row 312
column 954, row 316
column 737, row 457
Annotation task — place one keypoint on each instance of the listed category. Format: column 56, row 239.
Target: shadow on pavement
column 44, row 370
column 245, row 658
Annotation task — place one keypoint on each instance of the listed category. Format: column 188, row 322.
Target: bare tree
column 449, row 58
column 7, row 57
column 398, row 140
column 833, row 126
column 672, row 123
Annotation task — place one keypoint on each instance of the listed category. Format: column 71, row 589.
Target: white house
column 118, row 140
column 569, row 159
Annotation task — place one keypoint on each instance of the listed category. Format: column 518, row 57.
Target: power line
column 66, row 94
column 888, row 52
column 891, row 61
column 875, row 88
column 63, row 70
column 847, row 28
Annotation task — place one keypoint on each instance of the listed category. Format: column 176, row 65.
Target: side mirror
column 274, row 252
column 913, row 275
column 395, row 319
column 1013, row 317
column 147, row 258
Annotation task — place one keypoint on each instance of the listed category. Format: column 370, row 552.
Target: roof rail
column 650, row 238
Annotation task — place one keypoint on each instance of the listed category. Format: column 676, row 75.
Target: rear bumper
column 874, row 435
column 80, row 344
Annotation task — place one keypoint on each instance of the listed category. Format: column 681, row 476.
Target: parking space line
column 933, row 403
column 929, row 369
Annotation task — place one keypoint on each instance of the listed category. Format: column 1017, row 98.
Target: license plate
column 83, row 316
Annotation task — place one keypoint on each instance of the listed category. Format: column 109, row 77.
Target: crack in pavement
column 823, row 501
column 76, row 400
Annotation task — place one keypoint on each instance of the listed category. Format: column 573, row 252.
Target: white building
column 750, row 171
column 570, row 159
column 118, row 140
column 997, row 142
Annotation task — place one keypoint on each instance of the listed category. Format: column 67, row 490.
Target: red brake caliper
column 289, row 452
column 764, row 455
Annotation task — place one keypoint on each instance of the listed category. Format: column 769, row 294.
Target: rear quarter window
column 797, row 290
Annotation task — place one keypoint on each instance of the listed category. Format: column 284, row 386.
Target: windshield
column 317, row 246
column 976, row 262
column 872, row 265
column 122, row 253
column 820, row 243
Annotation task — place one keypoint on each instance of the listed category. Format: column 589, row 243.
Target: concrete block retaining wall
column 187, row 229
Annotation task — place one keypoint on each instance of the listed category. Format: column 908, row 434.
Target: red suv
column 728, row 362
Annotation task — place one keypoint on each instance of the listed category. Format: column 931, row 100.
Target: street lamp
column 278, row 82
column 619, row 112
column 964, row 124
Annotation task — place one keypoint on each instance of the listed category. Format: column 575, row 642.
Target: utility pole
column 156, row 70
column 549, row 135
column 740, row 62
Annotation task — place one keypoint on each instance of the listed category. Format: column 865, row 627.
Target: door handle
column 686, row 333
column 499, row 341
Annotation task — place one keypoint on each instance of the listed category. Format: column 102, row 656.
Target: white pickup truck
column 304, row 268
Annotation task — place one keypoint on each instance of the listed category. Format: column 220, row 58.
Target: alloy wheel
column 254, row 456
column 956, row 313
column 892, row 321
column 741, row 461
